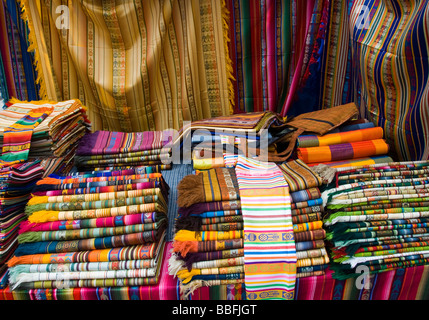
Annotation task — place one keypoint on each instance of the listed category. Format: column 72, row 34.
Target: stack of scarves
column 55, row 138
column 307, row 218
column 351, row 145
column 16, row 184
column 92, row 231
column 208, row 241
column 378, row 218
column 105, row 150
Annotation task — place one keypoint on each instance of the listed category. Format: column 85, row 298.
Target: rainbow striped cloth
column 269, row 245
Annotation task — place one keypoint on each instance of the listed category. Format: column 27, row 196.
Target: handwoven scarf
column 195, row 222
column 219, row 184
column 354, row 162
column 299, row 176
column 89, row 244
column 87, row 233
column 186, row 276
column 117, row 188
column 45, row 216
column 120, row 171
column 343, row 151
column 52, row 179
column 145, row 153
column 307, row 203
column 136, row 252
column 302, row 218
column 308, row 141
column 307, row 245
column 17, row 137
column 145, row 168
column 270, row 255
column 304, row 195
column 307, row 262
column 94, row 196
column 311, row 235
column 109, row 142
column 131, row 219
column 100, row 204
column 177, row 261
column 201, row 208
column 185, row 247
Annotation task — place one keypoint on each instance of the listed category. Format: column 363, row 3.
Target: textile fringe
column 174, row 264
column 43, row 216
column 26, row 226
column 37, row 200
column 325, row 172
column 190, row 191
column 185, row 246
column 29, row 237
column 188, row 289
column 15, row 260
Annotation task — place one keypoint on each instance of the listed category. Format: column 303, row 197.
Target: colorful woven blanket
column 269, row 247
column 299, row 176
column 343, row 151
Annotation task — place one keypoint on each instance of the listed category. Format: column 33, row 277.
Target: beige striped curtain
column 136, row 64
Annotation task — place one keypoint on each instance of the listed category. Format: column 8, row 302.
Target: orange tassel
column 185, row 246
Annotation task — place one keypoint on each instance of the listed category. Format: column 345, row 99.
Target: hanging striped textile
column 390, row 45
column 269, row 246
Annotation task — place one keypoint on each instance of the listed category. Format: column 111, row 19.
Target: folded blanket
column 108, row 142
column 299, row 176
column 343, row 151
column 307, row 141
column 219, row 184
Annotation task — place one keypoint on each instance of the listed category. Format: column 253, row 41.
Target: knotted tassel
column 190, row 190
column 188, row 289
column 15, row 260
column 29, row 209
column 29, row 237
column 37, row 200
column 185, row 246
column 186, row 276
column 325, row 172
column 49, row 180
column 188, row 223
column 43, row 216
column 26, row 226
column 174, row 264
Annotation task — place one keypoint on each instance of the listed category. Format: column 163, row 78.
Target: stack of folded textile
column 208, row 240
column 307, row 217
column 378, row 218
column 105, row 150
column 16, row 184
column 216, row 142
column 100, row 230
column 351, row 145
column 54, row 140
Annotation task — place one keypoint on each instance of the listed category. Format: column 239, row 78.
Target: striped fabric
column 139, row 65
column 344, row 151
column 306, row 141
column 17, row 137
column 390, row 46
column 299, row 176
column 269, row 246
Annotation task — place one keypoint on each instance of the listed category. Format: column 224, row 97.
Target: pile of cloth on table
column 307, row 217
column 358, row 143
column 378, row 218
column 49, row 131
column 105, row 229
column 217, row 142
column 16, row 184
column 208, row 240
column 105, row 150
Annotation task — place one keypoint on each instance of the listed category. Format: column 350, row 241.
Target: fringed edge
column 188, row 289
column 174, row 264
